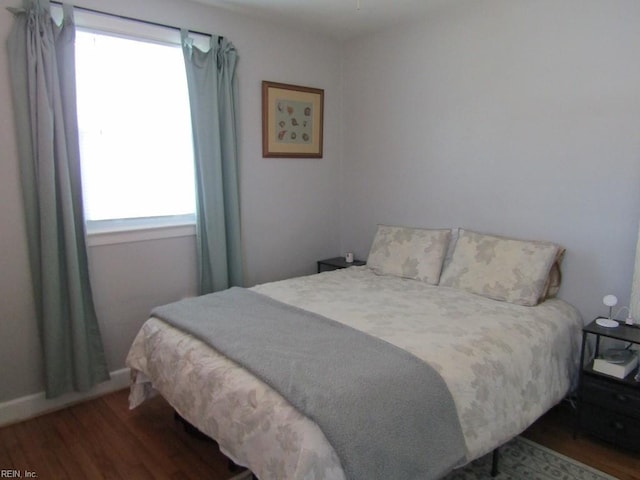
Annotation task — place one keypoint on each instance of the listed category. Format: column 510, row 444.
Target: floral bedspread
column 504, row 364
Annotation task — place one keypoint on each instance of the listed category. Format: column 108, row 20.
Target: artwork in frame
column 292, row 119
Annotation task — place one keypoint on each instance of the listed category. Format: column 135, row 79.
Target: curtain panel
column 42, row 69
column 211, row 79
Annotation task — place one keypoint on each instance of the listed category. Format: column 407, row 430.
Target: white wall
column 516, row 118
column 289, row 207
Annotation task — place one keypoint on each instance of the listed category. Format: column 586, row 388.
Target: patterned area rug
column 524, row 459
column 519, row 459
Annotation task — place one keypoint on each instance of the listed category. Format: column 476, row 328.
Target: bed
column 478, row 309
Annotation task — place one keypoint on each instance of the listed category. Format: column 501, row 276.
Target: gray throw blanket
column 387, row 414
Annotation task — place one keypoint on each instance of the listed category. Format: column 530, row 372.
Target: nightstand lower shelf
column 610, row 411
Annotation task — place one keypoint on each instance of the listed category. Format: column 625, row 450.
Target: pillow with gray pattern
column 507, row 269
column 406, row 252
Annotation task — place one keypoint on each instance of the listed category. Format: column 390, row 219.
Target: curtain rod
column 124, row 17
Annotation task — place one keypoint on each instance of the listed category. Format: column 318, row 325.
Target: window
column 135, row 132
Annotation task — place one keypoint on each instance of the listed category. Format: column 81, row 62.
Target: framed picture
column 292, row 119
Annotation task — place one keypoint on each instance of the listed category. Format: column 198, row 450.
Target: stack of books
column 616, row 362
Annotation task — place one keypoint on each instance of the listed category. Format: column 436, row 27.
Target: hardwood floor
column 102, row 438
column 555, row 431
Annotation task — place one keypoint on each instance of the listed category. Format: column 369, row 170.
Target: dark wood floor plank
column 59, row 460
column 32, row 453
column 98, row 444
column 17, row 449
column 72, row 436
column 8, row 442
column 151, row 426
column 160, row 440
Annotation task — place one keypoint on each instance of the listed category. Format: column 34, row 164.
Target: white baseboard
column 30, row 406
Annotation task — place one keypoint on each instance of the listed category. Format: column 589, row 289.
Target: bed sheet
column 504, row 364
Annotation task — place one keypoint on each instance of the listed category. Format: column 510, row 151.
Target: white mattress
column 504, row 364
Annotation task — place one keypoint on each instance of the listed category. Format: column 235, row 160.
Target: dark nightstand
column 609, row 407
column 337, row 263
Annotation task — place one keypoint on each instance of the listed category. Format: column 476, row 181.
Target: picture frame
column 292, row 120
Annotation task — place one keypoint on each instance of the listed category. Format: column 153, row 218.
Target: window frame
column 113, row 231
column 109, row 232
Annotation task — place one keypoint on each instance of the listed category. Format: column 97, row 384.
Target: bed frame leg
column 494, row 463
column 190, row 429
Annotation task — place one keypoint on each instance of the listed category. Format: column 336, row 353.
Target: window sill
column 115, row 236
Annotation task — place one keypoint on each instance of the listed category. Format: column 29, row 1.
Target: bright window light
column 135, row 128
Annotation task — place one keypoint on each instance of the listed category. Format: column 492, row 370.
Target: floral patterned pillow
column 409, row 252
column 515, row 271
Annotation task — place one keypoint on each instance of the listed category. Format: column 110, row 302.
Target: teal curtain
column 42, row 69
column 211, row 78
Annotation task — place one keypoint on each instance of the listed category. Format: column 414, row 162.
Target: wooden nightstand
column 337, row 263
column 609, row 407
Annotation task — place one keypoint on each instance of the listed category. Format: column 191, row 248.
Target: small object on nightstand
column 607, row 322
column 348, row 257
column 337, row 263
column 617, row 355
column 616, row 362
